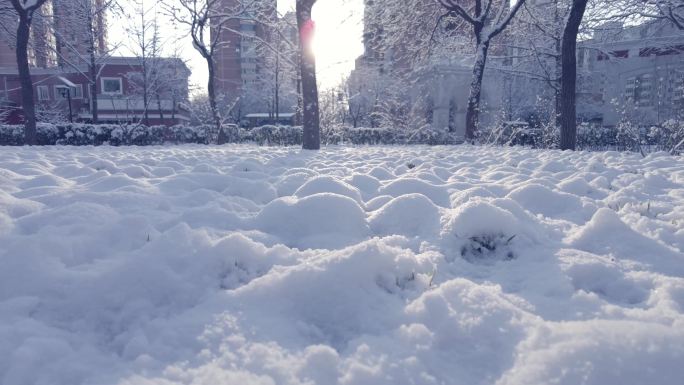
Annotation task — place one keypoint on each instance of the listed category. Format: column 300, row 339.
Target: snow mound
column 196, row 264
column 437, row 194
column 542, row 200
column 599, row 352
column 15, row 207
column 319, row 221
column 580, row 187
column 378, row 202
column 410, row 214
column 481, row 232
column 291, row 182
column 606, row 233
column 6, row 224
column 461, row 197
column 366, row 282
column 606, row 281
column 462, row 313
column 381, row 173
column 328, row 184
column 366, row 184
column 255, row 190
column 478, row 218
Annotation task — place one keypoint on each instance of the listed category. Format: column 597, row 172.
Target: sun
column 337, row 40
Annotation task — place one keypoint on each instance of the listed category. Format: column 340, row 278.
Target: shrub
column 667, row 137
column 488, row 247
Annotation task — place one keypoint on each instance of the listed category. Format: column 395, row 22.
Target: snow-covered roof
column 268, row 115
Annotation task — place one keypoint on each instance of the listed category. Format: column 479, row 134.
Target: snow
column 369, row 265
column 29, row 4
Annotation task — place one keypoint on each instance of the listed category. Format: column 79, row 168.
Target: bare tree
column 568, row 112
column 311, row 118
column 26, row 9
column 488, row 18
column 202, row 19
column 277, row 54
column 85, row 19
column 147, row 46
column 208, row 22
column 673, row 10
column 536, row 51
column 283, row 64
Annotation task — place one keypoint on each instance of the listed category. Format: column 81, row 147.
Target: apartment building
column 62, row 33
column 632, row 72
column 64, row 93
column 239, row 59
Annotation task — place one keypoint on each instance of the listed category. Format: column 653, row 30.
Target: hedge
column 79, row 134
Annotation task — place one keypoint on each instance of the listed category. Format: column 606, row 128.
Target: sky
column 338, row 40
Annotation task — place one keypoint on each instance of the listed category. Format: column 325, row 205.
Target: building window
column 639, row 90
column 76, row 92
column 43, row 93
column 112, row 86
column 661, row 51
column 623, row 54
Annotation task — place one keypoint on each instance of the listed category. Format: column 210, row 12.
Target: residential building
column 63, row 93
column 239, row 58
column 61, row 40
column 78, row 25
column 60, row 33
column 40, row 54
column 632, row 72
column 625, row 72
column 8, row 57
column 440, row 84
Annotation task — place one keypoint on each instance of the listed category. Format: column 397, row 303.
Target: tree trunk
column 146, row 97
column 568, row 112
column 28, row 104
column 311, row 119
column 213, row 105
column 557, row 108
column 473, row 112
column 277, row 90
column 173, row 107
column 558, row 70
column 93, row 72
column 159, row 107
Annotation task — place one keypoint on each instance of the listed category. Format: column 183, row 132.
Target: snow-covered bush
column 371, row 136
column 47, row 133
column 431, row 136
column 11, row 135
column 483, row 232
column 273, row 135
column 487, row 246
column 667, row 137
column 190, row 134
column 511, row 133
column 80, row 134
column 83, row 134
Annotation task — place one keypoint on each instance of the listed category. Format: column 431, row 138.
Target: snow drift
column 245, row 265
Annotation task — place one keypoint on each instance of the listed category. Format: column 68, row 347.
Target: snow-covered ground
column 384, row 265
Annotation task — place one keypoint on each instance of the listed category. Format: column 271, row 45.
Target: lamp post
column 66, row 92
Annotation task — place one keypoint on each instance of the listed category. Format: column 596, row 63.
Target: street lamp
column 66, row 93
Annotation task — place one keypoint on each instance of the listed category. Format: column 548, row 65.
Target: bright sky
column 338, row 40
